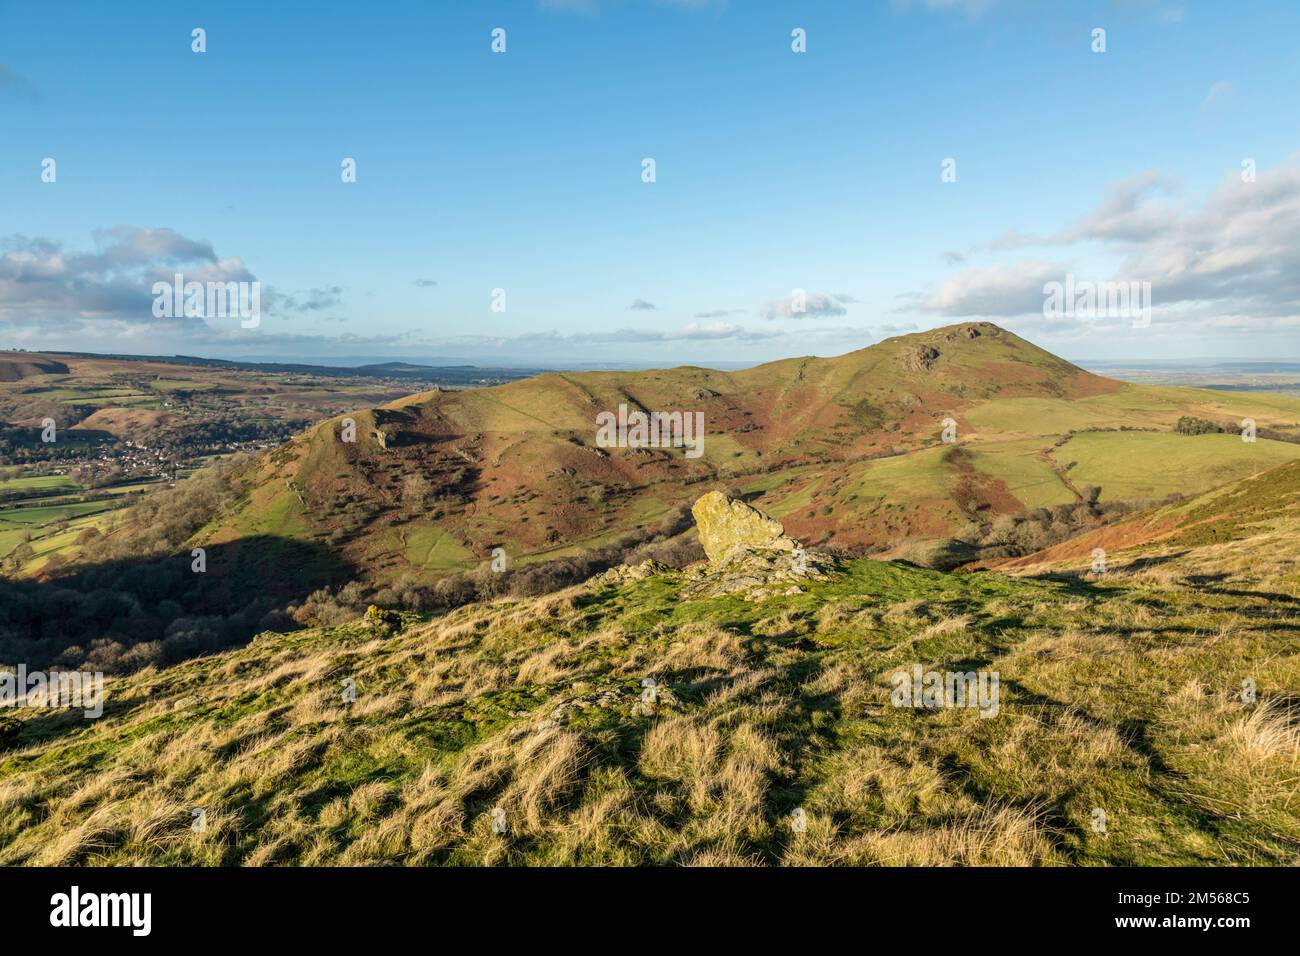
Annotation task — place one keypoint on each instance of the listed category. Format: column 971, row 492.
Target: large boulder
column 727, row 527
column 749, row 553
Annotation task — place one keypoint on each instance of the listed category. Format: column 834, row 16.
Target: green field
column 65, row 542
column 38, row 483
column 922, row 473
column 180, row 385
column 1021, row 467
column 429, row 548
column 15, row 522
column 1130, row 465
column 1050, row 416
column 52, row 499
column 37, row 516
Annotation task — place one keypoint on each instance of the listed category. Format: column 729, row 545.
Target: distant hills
column 446, row 374
column 1140, row 672
column 848, row 452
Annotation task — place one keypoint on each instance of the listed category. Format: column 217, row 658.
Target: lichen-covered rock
column 757, row 575
column 623, row 573
column 749, row 553
column 727, row 526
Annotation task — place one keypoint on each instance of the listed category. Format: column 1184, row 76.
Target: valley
column 125, row 426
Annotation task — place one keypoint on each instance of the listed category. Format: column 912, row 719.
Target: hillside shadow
column 1083, row 576
column 123, row 614
column 1275, row 597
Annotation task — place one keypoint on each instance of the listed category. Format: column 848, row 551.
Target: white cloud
column 814, row 305
column 303, row 300
column 1237, row 255
column 41, row 282
column 1015, row 289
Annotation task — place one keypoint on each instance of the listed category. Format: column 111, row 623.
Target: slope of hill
column 1256, row 512
column 847, row 451
column 14, row 369
column 521, row 731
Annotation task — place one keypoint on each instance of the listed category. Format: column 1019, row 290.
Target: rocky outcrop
column 749, row 553
column 757, row 575
column 383, row 621
column 921, row 358
column 631, row 572
column 726, row 526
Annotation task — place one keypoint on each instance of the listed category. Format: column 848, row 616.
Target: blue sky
column 775, row 171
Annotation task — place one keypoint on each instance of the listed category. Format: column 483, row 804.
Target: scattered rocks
column 758, row 575
column 972, row 331
column 627, row 572
column 615, row 698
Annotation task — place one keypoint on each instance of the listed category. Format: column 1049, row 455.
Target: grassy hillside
column 1120, row 692
column 846, row 450
column 1254, row 513
column 16, row 366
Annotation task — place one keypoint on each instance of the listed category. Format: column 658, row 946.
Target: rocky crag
column 748, row 552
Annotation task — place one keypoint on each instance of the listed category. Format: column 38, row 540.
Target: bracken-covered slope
column 847, row 451
column 1144, row 716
